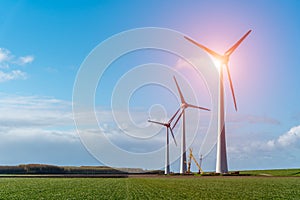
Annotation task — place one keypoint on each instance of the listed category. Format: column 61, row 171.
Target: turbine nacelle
column 167, row 125
column 184, row 105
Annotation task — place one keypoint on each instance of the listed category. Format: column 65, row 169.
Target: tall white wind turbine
column 221, row 164
column 168, row 127
column 184, row 105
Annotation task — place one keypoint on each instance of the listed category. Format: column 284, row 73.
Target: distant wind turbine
column 221, row 164
column 184, row 105
column 168, row 127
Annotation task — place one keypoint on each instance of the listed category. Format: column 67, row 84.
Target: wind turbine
column 184, row 105
column 221, row 164
column 168, row 127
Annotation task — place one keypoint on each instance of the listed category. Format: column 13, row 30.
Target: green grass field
column 273, row 172
column 151, row 188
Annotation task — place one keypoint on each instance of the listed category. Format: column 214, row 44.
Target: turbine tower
column 168, row 127
column 184, row 105
column 221, row 164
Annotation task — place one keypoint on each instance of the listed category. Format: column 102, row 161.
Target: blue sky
column 43, row 44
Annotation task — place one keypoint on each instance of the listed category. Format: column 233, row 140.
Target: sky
column 44, row 44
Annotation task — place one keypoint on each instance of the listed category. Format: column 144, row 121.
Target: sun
column 217, row 63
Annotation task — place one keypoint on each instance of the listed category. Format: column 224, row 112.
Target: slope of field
column 151, row 188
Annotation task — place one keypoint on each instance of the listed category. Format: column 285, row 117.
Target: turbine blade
column 179, row 91
column 172, row 118
column 231, row 50
column 178, row 119
column 211, row 52
column 202, row 108
column 231, row 87
column 173, row 136
column 160, row 123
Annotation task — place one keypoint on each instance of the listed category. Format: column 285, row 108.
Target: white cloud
column 25, row 60
column 4, row 55
column 285, row 142
column 34, row 111
column 290, row 138
column 12, row 75
column 10, row 63
column 39, row 134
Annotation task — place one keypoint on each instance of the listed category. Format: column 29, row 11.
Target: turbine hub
column 184, row 105
column 225, row 60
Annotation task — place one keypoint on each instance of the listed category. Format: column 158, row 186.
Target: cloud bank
column 37, row 129
column 41, row 129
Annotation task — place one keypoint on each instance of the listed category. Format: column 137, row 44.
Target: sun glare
column 217, row 63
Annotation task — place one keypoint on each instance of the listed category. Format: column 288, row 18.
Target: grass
column 273, row 172
column 151, row 188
